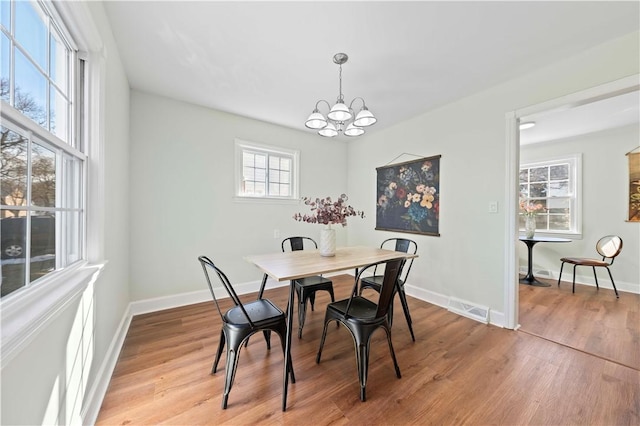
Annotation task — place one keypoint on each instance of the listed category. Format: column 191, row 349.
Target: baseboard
column 585, row 279
column 95, row 396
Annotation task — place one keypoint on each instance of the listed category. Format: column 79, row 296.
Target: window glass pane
column 285, row 164
column 261, row 161
column 274, row 162
column 284, row 177
column 261, row 175
column 5, row 15
column 538, row 174
column 558, row 205
column 285, row 190
column 558, row 189
column 13, row 232
column 559, row 172
column 249, row 187
column 260, row 188
column 524, row 175
column 274, row 176
column 524, row 191
column 58, row 115
column 72, row 242
column 59, row 63
column 5, row 65
column 43, row 177
column 274, row 189
column 31, row 31
column 560, row 222
column 43, row 244
column 30, row 91
column 72, row 187
column 13, row 157
column 538, row 190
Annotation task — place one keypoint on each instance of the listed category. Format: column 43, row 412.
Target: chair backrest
column 207, row 266
column 406, row 246
column 392, row 270
column 609, row 247
column 297, row 243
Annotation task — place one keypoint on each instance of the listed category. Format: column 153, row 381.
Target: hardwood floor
column 457, row 372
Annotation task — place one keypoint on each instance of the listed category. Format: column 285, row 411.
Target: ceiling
column 272, row 61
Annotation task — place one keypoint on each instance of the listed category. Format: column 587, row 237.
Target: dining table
column 529, row 278
column 291, row 265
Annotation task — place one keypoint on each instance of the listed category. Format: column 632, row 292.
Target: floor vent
column 478, row 313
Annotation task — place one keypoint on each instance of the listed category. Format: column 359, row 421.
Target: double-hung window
column 555, row 185
column 266, row 172
column 42, row 200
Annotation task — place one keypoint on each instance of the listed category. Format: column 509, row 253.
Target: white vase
column 529, row 226
column 328, row 242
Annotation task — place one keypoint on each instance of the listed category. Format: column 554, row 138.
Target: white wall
column 468, row 261
column 604, row 206
column 182, row 187
column 53, row 379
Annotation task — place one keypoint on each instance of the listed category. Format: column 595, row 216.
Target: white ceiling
column 273, row 60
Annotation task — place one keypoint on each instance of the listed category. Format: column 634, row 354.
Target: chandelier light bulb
column 353, row 130
column 364, row 118
column 328, row 131
column 316, row 120
column 340, row 116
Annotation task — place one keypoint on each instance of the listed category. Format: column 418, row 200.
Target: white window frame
column 26, row 314
column 575, row 197
column 241, row 147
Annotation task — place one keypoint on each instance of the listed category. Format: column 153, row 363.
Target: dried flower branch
column 328, row 212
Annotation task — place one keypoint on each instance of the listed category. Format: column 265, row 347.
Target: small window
column 265, row 171
column 555, row 185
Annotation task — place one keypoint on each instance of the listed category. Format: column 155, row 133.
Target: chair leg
column 218, row 353
column 302, row 312
column 405, row 308
column 393, row 353
column 560, row 276
column 614, row 284
column 362, row 354
column 267, row 338
column 324, row 336
column 596, row 277
column 231, row 367
column 574, row 279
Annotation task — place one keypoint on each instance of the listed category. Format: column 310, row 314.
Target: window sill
column 25, row 315
column 266, row 200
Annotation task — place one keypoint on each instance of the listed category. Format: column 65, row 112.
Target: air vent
column 469, row 310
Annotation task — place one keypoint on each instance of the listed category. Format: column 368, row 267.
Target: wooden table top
column 291, row 265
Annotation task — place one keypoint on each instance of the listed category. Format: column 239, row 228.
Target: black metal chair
column 374, row 282
column 239, row 323
column 362, row 317
column 608, row 247
column 306, row 287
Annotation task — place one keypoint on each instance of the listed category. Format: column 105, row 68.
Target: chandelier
column 340, row 117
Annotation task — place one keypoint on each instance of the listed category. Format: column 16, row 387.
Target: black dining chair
column 608, row 247
column 374, row 282
column 306, row 288
column 239, row 323
column 362, row 317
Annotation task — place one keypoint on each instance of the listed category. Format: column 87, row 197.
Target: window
column 266, row 172
column 42, row 158
column 555, row 185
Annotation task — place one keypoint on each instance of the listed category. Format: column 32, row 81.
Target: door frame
column 512, row 150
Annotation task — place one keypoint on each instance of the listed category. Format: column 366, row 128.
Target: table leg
column 529, row 278
column 287, row 346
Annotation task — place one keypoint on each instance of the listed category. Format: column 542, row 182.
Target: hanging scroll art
column 408, row 196
column 634, row 185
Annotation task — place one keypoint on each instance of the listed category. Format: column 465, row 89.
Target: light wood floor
column 457, row 372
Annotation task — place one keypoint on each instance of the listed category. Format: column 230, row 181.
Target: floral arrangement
column 328, row 212
column 530, row 209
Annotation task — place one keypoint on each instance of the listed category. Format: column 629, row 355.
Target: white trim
column 603, row 91
column 23, row 318
column 512, row 150
column 94, row 397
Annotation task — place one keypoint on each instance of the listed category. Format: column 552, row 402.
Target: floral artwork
column 408, row 196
